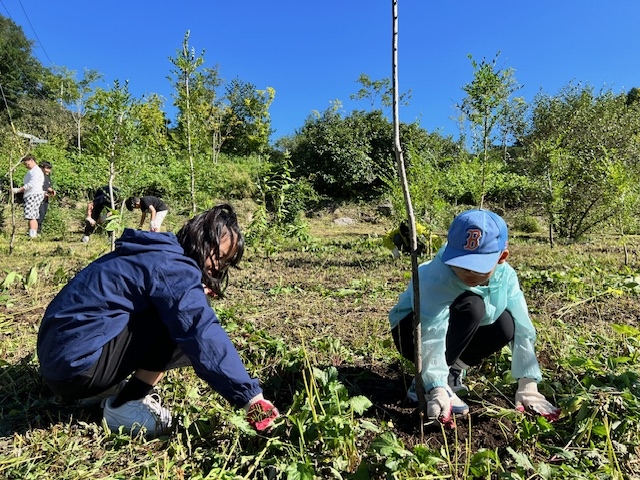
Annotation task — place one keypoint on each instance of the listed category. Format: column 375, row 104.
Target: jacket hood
column 138, row 241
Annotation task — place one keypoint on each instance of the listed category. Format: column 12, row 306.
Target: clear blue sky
column 312, row 52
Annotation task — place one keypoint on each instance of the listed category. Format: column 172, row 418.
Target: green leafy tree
column 486, row 103
column 21, row 74
column 347, row 157
column 111, row 115
column 247, row 118
column 580, row 142
column 152, row 124
column 188, row 82
column 375, row 91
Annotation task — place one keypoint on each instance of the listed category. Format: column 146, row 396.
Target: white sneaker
column 85, row 239
column 136, row 415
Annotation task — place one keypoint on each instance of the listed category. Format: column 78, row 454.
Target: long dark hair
column 200, row 237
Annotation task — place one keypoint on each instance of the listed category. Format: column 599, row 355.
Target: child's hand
column 439, row 407
column 528, row 396
column 208, row 292
column 261, row 414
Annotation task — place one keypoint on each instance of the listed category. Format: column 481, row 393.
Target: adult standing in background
column 156, row 208
column 47, row 189
column 33, row 193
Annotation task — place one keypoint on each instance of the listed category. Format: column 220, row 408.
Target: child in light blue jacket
column 471, row 306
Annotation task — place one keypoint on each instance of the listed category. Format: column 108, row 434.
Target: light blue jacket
column 439, row 287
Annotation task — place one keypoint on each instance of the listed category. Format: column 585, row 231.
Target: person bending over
column 142, row 310
column 98, row 210
column 154, row 206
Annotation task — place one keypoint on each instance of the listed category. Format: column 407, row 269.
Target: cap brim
column 476, row 263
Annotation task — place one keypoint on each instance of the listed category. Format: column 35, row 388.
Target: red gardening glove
column 261, row 414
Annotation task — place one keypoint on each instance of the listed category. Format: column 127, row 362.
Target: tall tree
column 247, row 118
column 20, row 71
column 193, row 96
column 486, row 103
column 110, row 112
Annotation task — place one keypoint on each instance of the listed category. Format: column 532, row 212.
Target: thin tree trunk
column 417, row 337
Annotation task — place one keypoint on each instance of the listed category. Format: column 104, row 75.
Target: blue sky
column 312, row 52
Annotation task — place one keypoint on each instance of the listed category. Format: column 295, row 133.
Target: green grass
column 311, row 322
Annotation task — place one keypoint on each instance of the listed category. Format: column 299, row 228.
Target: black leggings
column 143, row 344
column 466, row 339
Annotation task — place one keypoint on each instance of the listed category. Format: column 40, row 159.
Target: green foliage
column 280, row 206
column 54, row 224
column 247, row 118
column 487, row 102
column 346, row 157
column 526, row 223
column 583, row 152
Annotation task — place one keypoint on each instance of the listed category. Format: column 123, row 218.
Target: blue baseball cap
column 475, row 241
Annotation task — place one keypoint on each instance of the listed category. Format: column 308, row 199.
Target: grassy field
column 310, row 320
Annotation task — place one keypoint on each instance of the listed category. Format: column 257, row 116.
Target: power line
column 34, row 32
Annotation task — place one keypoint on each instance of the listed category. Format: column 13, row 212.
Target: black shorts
column 143, row 344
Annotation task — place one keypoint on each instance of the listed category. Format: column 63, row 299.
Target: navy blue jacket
column 147, row 274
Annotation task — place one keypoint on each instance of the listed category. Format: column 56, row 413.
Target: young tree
column 193, row 99
column 378, row 90
column 487, row 101
column 110, row 112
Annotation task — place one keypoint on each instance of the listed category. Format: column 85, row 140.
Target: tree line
column 570, row 158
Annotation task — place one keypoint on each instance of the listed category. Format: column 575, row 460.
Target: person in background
column 156, row 208
column 48, row 190
column 398, row 240
column 142, row 310
column 471, row 306
column 96, row 214
column 33, row 193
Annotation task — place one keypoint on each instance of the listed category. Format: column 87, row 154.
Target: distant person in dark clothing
column 156, row 208
column 95, row 210
column 47, row 188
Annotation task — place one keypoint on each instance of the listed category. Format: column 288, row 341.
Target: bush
column 526, row 223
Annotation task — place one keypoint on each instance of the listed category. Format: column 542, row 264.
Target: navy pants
column 466, row 339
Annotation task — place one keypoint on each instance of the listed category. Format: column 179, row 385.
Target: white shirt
column 33, row 181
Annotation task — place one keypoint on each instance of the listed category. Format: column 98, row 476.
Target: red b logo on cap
column 473, row 239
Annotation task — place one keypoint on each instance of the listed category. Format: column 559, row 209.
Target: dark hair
column 45, row 164
column 28, row 157
column 131, row 202
column 200, row 237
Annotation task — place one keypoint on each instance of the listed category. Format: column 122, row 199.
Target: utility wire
column 34, row 32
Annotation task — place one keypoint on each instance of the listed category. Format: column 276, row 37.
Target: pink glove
column 91, row 221
column 439, row 407
column 261, row 413
column 15, row 190
column 527, row 396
